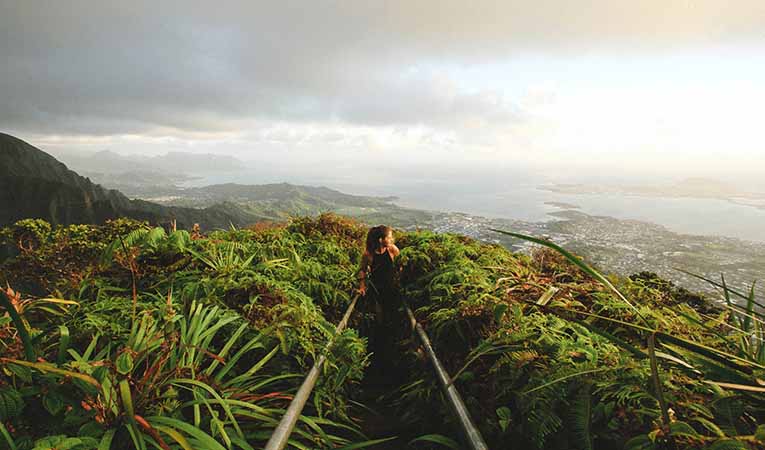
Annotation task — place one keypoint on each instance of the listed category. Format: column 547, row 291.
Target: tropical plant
column 168, row 340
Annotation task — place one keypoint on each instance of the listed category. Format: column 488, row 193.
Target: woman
column 376, row 278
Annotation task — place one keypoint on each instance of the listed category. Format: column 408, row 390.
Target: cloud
column 104, row 68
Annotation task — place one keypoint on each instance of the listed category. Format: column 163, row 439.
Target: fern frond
column 580, row 418
column 728, row 444
column 11, row 403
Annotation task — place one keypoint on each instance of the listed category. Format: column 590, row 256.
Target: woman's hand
column 362, row 290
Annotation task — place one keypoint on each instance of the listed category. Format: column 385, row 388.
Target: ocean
column 519, row 196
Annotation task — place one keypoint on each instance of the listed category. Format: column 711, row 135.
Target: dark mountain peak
column 21, row 159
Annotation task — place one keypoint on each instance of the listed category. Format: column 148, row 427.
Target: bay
column 520, row 196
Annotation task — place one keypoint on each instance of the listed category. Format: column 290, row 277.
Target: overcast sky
column 611, row 84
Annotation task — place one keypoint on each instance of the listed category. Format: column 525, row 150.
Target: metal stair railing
column 280, row 437
column 471, row 434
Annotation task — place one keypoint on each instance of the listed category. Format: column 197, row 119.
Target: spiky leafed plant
column 173, row 385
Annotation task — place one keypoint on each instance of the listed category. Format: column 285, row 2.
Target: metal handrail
column 278, row 440
column 472, row 435
column 280, row 437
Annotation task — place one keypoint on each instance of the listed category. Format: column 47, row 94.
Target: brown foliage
column 330, row 224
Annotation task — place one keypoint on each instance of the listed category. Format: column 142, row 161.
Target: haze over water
column 517, row 195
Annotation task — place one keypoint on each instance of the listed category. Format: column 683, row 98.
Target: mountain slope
column 35, row 184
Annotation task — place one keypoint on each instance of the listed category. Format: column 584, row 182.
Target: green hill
column 281, row 201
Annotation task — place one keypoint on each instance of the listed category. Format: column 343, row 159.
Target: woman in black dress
column 377, row 285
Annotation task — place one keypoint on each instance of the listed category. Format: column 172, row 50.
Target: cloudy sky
column 591, row 84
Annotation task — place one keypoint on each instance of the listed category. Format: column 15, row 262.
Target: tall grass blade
column 205, row 440
column 569, row 376
column 206, row 387
column 438, row 439
column 48, row 367
column 749, row 309
column 727, row 359
column 139, row 443
column 21, row 328
column 176, row 435
column 724, row 287
column 658, row 391
column 577, row 262
column 106, row 440
column 366, row 444
column 7, row 436
column 127, row 398
column 63, row 344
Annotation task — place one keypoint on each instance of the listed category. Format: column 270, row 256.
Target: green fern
column 11, row 403
column 641, row 442
column 728, row 444
column 728, row 411
column 542, row 420
column 580, row 418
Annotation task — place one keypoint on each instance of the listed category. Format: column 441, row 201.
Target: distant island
column 689, row 188
column 562, row 205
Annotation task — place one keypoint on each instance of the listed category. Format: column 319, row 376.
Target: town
column 627, row 247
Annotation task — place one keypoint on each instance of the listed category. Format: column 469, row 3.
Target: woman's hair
column 374, row 235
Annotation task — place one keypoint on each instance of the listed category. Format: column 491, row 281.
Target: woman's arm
column 393, row 250
column 364, row 266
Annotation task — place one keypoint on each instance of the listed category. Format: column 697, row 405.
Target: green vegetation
column 127, row 336
column 174, row 340
column 552, row 358
column 282, row 201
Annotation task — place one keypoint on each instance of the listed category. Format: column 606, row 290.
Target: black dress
column 389, row 320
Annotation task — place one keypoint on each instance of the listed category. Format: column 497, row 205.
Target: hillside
column 33, row 184
column 180, row 341
column 280, row 201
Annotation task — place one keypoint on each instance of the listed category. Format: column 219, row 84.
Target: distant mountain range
column 33, row 184
column 107, row 161
column 132, row 173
